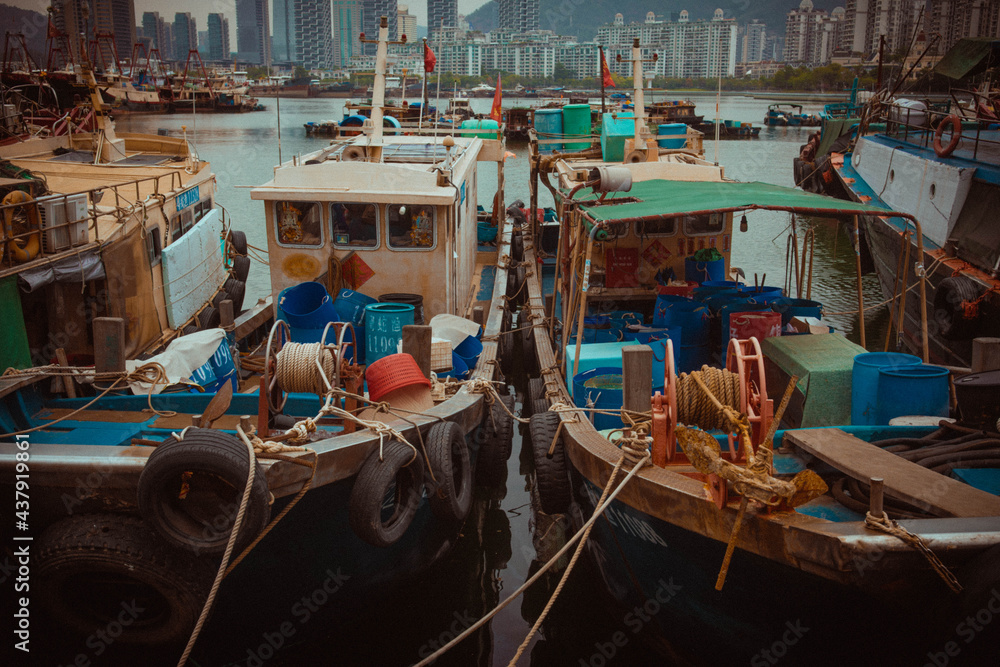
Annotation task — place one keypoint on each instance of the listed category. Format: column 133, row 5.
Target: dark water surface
column 496, row 554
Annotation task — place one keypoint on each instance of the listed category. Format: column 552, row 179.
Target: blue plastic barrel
column 307, row 306
column 603, row 386
column 710, row 288
column 762, row 294
column 691, row 317
column 391, row 125
column 644, row 335
column 693, row 356
column 548, row 125
column 865, row 381
column 597, row 329
column 384, row 328
column 919, row 389
column 350, row 306
column 672, row 128
column 698, row 272
column 469, row 350
column 790, row 308
column 459, row 369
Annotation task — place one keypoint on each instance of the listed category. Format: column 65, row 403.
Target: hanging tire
column 505, row 345
column 536, row 390
column 190, row 492
column 208, row 318
column 241, row 267
column 539, row 406
column 517, row 246
column 239, row 241
column 949, row 313
column 236, row 289
column 496, row 441
column 528, row 358
column 551, row 474
column 386, row 495
column 92, row 568
column 448, row 456
column 190, row 329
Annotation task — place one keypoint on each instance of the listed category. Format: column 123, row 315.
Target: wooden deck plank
column 905, row 480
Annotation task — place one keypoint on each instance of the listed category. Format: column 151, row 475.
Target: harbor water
column 504, row 542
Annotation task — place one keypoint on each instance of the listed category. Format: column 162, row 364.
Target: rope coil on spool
column 305, row 368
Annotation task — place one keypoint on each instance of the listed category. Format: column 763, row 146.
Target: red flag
column 429, row 59
column 606, row 73
column 495, row 112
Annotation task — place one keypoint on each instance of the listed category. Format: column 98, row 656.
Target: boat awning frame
column 970, row 55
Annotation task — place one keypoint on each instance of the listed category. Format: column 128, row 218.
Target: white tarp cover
column 193, row 269
column 181, row 358
column 452, row 328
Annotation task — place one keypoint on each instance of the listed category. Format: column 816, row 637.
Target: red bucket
column 758, row 324
column 393, row 372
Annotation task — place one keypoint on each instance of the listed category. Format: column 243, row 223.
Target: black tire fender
column 208, row 318
column 536, row 390
column 89, row 569
column 238, row 240
column 400, row 474
column 241, row 267
column 551, row 474
column 448, row 455
column 236, row 290
column 190, row 492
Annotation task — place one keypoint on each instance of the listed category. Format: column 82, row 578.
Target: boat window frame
column 434, row 229
column 720, row 230
column 378, row 226
column 654, row 235
column 154, row 245
column 277, row 233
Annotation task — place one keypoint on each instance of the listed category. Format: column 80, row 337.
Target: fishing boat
column 729, row 129
column 789, row 114
column 747, row 516
column 673, row 111
column 338, row 511
column 518, row 121
column 942, row 168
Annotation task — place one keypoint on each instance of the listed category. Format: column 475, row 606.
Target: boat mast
column 374, row 130
column 638, row 104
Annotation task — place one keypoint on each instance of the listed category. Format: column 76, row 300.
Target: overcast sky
column 200, row 9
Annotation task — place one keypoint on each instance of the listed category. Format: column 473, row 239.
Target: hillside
column 32, row 24
column 587, row 15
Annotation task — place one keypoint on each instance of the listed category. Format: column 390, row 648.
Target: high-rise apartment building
column 116, row 17
column 518, row 15
column 313, row 34
column 406, row 23
column 153, row 30
column 441, row 14
column 253, row 32
column 867, row 21
column 283, row 31
column 218, row 37
column 955, row 19
column 812, row 35
column 68, row 16
column 185, row 35
column 372, row 12
column 754, row 38
column 346, row 32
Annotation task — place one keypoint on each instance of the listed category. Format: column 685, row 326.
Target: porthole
column 933, row 190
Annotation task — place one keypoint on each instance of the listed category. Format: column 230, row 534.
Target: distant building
column 346, row 32
column 283, row 31
column 753, row 42
column 406, row 23
column 955, row 19
column 116, row 17
column 441, row 13
column 253, row 32
column 67, row 16
column 812, row 35
column 153, row 29
column 518, row 15
column 867, row 21
column 218, row 37
column 185, row 35
column 372, row 12
column 313, row 34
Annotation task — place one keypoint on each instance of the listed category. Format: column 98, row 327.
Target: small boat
column 729, row 129
column 326, row 128
column 338, row 473
column 482, row 90
column 616, row 430
column 787, row 114
column 518, row 121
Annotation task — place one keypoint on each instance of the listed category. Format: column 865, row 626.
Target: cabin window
column 354, row 225
column 700, row 225
column 661, row 227
column 411, row 227
column 298, row 223
column 187, row 220
column 154, row 246
column 201, row 208
column 175, row 228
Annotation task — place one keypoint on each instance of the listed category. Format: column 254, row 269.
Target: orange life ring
column 22, row 250
column 956, row 136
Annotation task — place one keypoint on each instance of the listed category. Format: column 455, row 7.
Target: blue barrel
column 644, row 335
column 762, row 294
column 597, row 329
column 350, row 306
column 918, row 389
column 790, row 308
column 603, row 386
column 672, row 128
column 391, row 125
column 693, row 356
column 356, row 120
column 865, row 382
column 384, row 328
column 725, row 297
column 307, row 306
column 548, row 125
column 698, row 272
column 710, row 288
column 459, row 369
column 691, row 317
column 469, row 350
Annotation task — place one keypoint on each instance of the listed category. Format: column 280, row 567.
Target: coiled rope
column 694, row 407
column 298, row 370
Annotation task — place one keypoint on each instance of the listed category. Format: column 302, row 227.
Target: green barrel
column 576, row 124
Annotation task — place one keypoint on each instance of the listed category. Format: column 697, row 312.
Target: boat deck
column 979, row 151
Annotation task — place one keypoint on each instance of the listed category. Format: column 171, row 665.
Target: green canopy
column 650, row 200
column 970, row 55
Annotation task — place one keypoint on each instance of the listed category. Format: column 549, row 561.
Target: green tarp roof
column 670, row 199
column 969, row 56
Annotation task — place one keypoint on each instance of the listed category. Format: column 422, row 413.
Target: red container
column 759, row 324
column 393, row 372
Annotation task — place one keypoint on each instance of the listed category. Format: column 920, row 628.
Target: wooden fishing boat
column 141, row 492
column 812, row 571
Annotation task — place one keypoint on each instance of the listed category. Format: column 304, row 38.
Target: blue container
column 660, row 360
column 790, row 308
column 672, row 128
column 919, row 389
column 693, row 357
column 485, row 232
column 459, row 369
column 548, row 125
column 865, row 381
column 307, row 306
column 614, row 132
column 469, row 350
column 391, row 125
column 350, row 306
column 716, row 302
column 356, row 120
column 384, row 328
column 606, row 396
column 699, row 272
column 710, row 288
column 692, row 317
column 644, row 335
column 760, row 293
column 597, row 329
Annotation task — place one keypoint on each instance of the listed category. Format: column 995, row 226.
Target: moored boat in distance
column 790, row 115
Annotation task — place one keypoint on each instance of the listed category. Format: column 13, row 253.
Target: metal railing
column 899, row 123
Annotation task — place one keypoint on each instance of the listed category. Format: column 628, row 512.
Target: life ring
column 495, row 438
column 123, row 554
column 956, row 135
column 551, row 473
column 448, row 456
column 22, row 250
column 950, row 296
column 396, row 481
column 190, row 490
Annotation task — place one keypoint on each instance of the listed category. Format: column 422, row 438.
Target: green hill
column 583, row 17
